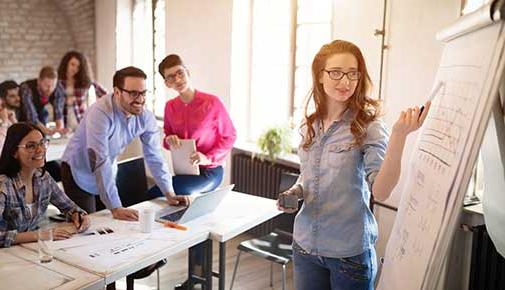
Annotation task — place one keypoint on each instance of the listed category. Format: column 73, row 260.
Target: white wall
column 200, row 32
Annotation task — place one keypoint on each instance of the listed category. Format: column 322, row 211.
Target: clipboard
column 180, row 158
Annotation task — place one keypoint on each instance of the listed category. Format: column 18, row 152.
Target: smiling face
column 339, row 90
column 30, row 156
column 132, row 95
column 176, row 78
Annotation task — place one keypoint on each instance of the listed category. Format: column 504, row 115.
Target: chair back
column 131, row 181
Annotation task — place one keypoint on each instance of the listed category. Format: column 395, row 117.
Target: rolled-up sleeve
column 374, row 148
column 151, row 146
column 97, row 124
column 7, row 236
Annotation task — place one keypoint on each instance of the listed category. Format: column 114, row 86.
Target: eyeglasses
column 134, row 94
column 178, row 74
column 337, row 75
column 32, row 146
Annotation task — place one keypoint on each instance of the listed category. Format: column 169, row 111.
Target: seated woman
column 26, row 189
column 196, row 115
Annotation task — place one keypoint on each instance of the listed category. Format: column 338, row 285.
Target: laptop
column 201, row 205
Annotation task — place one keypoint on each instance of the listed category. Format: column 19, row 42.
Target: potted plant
column 273, row 142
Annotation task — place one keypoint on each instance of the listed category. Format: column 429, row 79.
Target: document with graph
column 436, row 177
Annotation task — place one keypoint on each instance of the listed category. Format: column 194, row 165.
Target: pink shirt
column 204, row 119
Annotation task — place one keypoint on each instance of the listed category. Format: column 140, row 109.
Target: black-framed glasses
column 337, row 75
column 177, row 74
column 32, row 146
column 134, row 94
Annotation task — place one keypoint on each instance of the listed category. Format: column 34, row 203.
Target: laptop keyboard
column 175, row 216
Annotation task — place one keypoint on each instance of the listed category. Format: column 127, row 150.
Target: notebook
column 180, row 158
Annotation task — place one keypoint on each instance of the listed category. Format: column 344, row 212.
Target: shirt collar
column 18, row 183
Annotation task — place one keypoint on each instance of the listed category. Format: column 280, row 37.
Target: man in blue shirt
column 89, row 163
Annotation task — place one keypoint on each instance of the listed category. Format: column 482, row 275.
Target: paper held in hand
column 180, row 158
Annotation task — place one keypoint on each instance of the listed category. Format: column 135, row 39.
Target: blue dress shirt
column 102, row 135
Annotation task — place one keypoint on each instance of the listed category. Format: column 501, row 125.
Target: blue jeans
column 208, row 180
column 320, row 273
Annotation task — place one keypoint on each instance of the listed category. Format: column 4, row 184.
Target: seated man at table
column 26, row 189
column 9, row 93
column 89, row 163
column 43, row 100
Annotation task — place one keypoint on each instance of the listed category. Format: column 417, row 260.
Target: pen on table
column 173, row 225
column 434, row 93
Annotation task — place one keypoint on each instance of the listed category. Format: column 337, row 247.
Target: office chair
column 276, row 246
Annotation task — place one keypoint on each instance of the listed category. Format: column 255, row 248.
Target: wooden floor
column 253, row 273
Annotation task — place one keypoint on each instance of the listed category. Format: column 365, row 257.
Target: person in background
column 346, row 154
column 200, row 116
column 75, row 76
column 26, row 189
column 7, row 118
column 43, row 100
column 9, row 93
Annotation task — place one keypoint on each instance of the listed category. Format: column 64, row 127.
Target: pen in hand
column 433, row 95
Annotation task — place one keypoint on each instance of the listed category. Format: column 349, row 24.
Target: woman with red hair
column 346, row 154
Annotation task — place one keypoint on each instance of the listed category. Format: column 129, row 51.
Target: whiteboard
column 447, row 145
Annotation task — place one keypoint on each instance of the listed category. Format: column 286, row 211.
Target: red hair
column 367, row 109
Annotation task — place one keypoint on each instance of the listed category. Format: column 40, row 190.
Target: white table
column 236, row 214
column 20, row 269
column 135, row 250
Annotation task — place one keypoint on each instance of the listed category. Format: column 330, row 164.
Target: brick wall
column 34, row 33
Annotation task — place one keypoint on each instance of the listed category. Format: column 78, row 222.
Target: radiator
column 487, row 270
column 260, row 178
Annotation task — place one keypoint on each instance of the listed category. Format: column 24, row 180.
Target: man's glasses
column 134, row 94
column 32, row 146
column 337, row 75
column 172, row 77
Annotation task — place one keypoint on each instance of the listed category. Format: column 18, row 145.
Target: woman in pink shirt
column 199, row 116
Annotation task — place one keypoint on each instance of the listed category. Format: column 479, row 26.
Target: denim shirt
column 15, row 216
column 337, row 175
column 101, row 136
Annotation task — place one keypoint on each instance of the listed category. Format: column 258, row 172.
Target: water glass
column 45, row 242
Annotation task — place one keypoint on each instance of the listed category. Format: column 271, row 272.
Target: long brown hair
column 366, row 109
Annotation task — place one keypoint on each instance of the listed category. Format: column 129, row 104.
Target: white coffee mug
column 146, row 219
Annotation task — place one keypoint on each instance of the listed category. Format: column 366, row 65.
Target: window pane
column 310, row 11
column 160, row 91
column 309, row 39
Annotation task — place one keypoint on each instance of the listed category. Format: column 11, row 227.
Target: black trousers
column 85, row 200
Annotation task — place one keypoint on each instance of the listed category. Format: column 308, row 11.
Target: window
column 284, row 36
column 141, row 43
